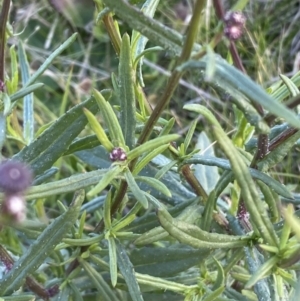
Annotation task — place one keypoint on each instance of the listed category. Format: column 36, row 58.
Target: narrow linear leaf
column 66, row 185
column 168, row 261
column 225, row 164
column 50, row 59
column 110, row 119
column 98, row 130
column 226, row 75
column 107, row 212
column 214, row 295
column 146, row 159
column 25, row 91
column 127, row 270
column 44, row 151
column 126, row 92
column 139, row 41
column 189, row 214
column 106, row 180
column 106, row 293
column 151, row 145
column 189, row 135
column 113, row 268
column 28, row 113
column 156, row 184
column 162, row 36
column 290, row 85
column 139, row 194
column 263, row 271
column 195, row 237
column 41, row 248
column 220, row 281
column 254, row 205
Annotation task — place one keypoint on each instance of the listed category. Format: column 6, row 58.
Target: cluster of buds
column 234, row 24
column 15, row 178
column 118, row 154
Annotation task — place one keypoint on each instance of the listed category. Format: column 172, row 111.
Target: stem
column 112, row 32
column 192, row 180
column 176, row 75
column 3, row 21
column 31, row 283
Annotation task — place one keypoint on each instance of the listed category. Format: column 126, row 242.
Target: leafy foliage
column 139, row 192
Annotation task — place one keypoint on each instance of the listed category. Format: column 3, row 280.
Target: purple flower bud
column 118, row 154
column 233, row 32
column 14, row 206
column 14, row 177
column 234, row 25
column 235, row 18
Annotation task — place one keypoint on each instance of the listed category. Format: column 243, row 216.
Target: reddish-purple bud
column 233, row 32
column 235, row 18
column 14, row 207
column 234, row 25
column 118, row 154
column 15, row 177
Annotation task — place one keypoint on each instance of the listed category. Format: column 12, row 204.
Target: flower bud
column 118, row 154
column 234, row 25
column 14, row 177
column 14, row 207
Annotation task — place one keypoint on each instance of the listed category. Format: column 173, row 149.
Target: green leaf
column 195, row 237
column 28, row 112
column 225, row 164
column 41, row 248
column 98, row 158
column 106, row 292
column 254, row 205
column 66, row 185
column 290, row 85
column 189, row 214
column 50, row 59
column 110, row 175
column 139, row 194
column 263, row 271
column 49, row 147
column 113, row 268
column 151, row 145
column 208, row 176
column 126, row 92
column 147, row 158
column 98, row 130
column 25, row 91
column 213, row 295
column 189, row 135
column 220, row 281
column 159, row 34
column 110, row 119
column 107, row 207
column 209, row 208
column 127, row 270
column 139, row 41
column 166, row 262
column 226, row 75
column 156, row 184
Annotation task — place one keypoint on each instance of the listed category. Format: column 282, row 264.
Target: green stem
column 176, row 75
column 3, row 21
